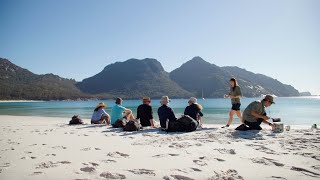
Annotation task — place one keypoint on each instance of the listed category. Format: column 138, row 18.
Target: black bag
column 132, row 126
column 76, row 120
column 120, row 123
column 175, row 126
column 242, row 127
column 189, row 123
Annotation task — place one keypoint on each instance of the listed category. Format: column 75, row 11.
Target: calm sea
column 295, row 110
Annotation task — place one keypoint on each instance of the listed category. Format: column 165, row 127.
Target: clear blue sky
column 78, row 38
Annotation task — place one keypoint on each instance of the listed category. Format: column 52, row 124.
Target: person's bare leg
column 200, row 121
column 129, row 115
column 231, row 113
column 239, row 116
column 107, row 120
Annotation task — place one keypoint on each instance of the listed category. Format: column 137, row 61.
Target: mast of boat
column 202, row 95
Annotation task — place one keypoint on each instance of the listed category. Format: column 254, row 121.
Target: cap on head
column 269, row 98
column 193, row 100
column 101, row 105
column 118, row 100
column 164, row 100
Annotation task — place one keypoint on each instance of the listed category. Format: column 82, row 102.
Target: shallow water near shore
column 292, row 110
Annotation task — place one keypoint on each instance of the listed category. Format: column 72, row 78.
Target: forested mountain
column 137, row 78
column 19, row 83
column 133, row 79
column 199, row 76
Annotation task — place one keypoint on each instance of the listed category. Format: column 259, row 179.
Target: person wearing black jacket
column 194, row 110
column 145, row 113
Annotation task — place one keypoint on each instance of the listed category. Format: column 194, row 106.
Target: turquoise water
column 301, row 110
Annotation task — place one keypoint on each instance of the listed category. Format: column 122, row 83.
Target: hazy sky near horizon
column 78, row 38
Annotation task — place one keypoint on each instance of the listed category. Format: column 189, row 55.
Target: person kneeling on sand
column 255, row 113
column 165, row 113
column 99, row 115
column 194, row 110
column 118, row 111
column 145, row 113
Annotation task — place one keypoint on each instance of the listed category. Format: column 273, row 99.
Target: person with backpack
column 235, row 95
column 100, row 116
column 145, row 113
column 194, row 110
column 165, row 113
column 120, row 112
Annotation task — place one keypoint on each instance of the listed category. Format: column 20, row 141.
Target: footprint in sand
column 86, row 149
column 179, row 177
column 200, row 162
column 196, row 169
column 46, row 165
column 305, row 172
column 108, row 161
column 226, row 151
column 88, row 169
column 117, row 154
column 4, row 166
column 220, row 160
column 267, row 161
column 164, row 155
column 50, row 164
column 37, row 173
column 229, row 174
column 317, row 167
column 109, row 175
column 143, row 171
column 92, row 163
column 50, row 154
column 277, row 177
column 59, row 147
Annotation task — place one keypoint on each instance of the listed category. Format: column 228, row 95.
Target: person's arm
column 151, row 118
column 255, row 114
column 138, row 112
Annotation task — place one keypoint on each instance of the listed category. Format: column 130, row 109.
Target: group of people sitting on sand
column 251, row 118
column 145, row 113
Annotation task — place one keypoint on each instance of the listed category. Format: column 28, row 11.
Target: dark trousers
column 254, row 125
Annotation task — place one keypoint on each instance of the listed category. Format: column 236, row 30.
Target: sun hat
column 193, row 100
column 165, row 100
column 101, row 105
column 269, row 98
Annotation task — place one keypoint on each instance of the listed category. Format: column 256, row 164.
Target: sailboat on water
column 202, row 95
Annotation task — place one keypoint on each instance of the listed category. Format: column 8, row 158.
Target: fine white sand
column 48, row 148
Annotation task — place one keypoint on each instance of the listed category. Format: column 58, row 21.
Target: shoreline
column 48, row 148
column 88, row 121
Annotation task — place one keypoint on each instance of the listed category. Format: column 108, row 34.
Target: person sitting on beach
column 255, row 113
column 235, row 95
column 145, row 112
column 100, row 116
column 118, row 111
column 165, row 113
column 194, row 110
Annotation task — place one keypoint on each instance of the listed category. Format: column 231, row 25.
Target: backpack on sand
column 75, row 120
column 189, row 123
column 132, row 126
column 120, row 123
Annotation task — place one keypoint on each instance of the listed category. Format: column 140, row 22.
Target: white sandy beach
column 48, row 148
